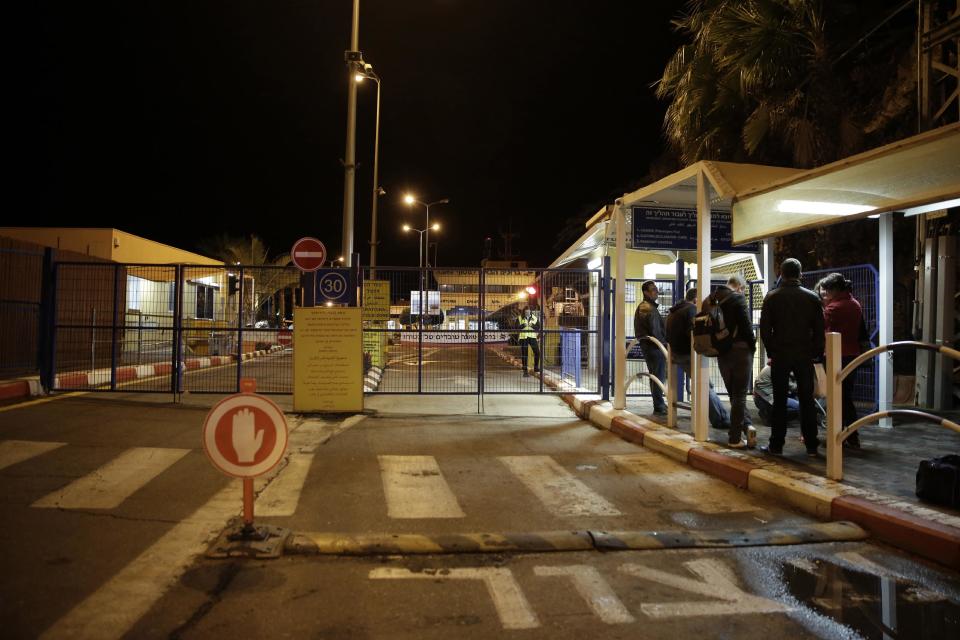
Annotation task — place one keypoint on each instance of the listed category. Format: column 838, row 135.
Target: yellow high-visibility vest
column 528, row 327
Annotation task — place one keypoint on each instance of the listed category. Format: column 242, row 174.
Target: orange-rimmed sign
column 245, row 435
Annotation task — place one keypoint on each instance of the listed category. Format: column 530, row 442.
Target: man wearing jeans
column 791, row 327
column 647, row 322
column 735, row 364
column 679, row 328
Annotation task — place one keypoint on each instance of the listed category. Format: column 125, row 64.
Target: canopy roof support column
column 701, row 365
column 619, row 311
column 885, row 317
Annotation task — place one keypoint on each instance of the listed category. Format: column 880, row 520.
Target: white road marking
column 684, row 484
column 593, row 589
column 112, row 610
column 415, row 488
column 282, row 495
column 115, row 481
column 512, row 606
column 16, row 451
column 716, row 580
column 557, row 489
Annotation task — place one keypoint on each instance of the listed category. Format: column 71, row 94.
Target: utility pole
column 352, row 57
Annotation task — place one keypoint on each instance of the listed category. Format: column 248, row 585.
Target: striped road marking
column 415, row 488
column 15, row 451
column 682, row 483
column 112, row 610
column 559, row 491
column 593, row 589
column 115, row 481
column 281, row 496
column 512, row 606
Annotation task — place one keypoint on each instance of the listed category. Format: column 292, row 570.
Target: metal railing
column 670, row 388
column 836, row 373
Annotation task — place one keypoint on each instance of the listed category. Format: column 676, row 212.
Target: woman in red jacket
column 842, row 313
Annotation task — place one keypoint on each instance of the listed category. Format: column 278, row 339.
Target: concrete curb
column 924, row 532
column 83, row 380
column 317, row 543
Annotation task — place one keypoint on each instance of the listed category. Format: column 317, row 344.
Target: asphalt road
column 90, row 557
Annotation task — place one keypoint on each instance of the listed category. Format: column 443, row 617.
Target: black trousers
column 802, row 369
column 848, row 408
column 536, row 352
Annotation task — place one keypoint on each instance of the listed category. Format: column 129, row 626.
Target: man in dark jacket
column 791, row 327
column 647, row 322
column 679, row 328
column 735, row 364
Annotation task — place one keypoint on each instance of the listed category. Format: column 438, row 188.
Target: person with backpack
column 842, row 313
column 679, row 327
column 791, row 327
column 647, row 322
column 736, row 360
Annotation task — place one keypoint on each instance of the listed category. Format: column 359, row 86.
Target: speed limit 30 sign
column 333, row 285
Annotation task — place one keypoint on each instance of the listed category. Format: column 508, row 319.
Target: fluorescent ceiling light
column 595, row 263
column 933, row 206
column 822, row 208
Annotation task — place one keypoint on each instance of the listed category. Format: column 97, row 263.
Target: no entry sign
column 308, row 254
column 245, row 435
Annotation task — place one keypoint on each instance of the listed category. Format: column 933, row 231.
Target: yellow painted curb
column 807, row 497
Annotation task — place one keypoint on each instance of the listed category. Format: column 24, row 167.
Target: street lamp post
column 410, row 200
column 377, row 190
column 406, row 227
column 349, row 160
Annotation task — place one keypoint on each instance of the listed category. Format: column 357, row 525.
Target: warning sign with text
column 376, row 300
column 328, row 360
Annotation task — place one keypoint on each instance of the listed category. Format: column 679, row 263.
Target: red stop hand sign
column 245, row 435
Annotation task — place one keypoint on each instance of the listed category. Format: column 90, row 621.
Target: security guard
column 528, row 336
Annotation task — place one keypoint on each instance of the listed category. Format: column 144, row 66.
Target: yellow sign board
column 328, row 359
column 376, row 300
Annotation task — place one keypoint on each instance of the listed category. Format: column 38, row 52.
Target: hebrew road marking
column 115, row 481
column 512, row 606
column 415, row 488
column 16, row 451
column 557, row 489
column 715, row 581
column 594, row 589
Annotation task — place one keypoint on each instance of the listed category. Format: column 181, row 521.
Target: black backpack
column 711, row 335
column 938, row 481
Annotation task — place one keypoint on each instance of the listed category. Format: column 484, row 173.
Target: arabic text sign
column 676, row 230
column 328, row 360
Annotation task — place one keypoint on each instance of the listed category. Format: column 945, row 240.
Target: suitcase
column 938, row 481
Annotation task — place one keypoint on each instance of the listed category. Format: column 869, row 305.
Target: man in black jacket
column 647, row 321
column 736, row 362
column 791, row 327
column 679, row 328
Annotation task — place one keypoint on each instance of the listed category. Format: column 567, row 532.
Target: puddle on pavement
column 875, row 607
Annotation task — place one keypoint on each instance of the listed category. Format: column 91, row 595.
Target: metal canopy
column 920, row 170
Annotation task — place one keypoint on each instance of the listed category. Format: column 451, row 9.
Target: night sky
column 179, row 121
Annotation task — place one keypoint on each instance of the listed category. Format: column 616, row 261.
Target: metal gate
column 170, row 328
column 455, row 331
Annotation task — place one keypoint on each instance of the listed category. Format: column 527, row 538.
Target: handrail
column 647, row 374
column 665, row 388
column 870, row 353
column 636, row 341
column 849, row 430
column 836, row 433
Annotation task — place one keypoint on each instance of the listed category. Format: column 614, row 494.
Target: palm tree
column 266, row 272
column 759, row 80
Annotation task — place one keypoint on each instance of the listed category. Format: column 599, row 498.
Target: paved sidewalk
column 887, row 461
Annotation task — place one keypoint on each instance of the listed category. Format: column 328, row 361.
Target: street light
column 435, row 227
column 378, row 191
column 406, row 227
column 411, row 200
column 333, row 263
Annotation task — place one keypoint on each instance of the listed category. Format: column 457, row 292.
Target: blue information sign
column 676, row 230
column 334, row 285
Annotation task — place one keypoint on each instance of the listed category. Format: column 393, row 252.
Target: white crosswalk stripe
column 114, row 482
column 680, row 482
column 282, row 495
column 16, row 451
column 415, row 487
column 556, row 488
